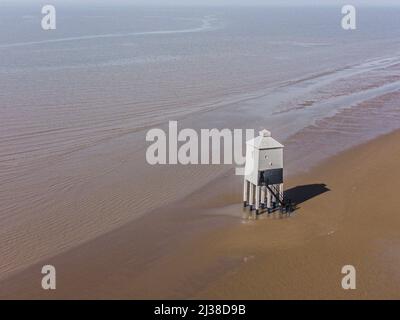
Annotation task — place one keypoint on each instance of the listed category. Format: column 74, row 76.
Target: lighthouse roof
column 264, row 141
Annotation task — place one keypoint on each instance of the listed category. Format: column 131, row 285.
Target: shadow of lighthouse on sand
column 300, row 194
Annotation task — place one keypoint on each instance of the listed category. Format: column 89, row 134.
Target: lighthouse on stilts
column 263, row 180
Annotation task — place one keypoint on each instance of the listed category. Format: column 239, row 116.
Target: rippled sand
column 60, row 188
column 207, row 247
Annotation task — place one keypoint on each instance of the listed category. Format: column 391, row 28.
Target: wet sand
column 348, row 214
column 206, row 247
column 60, row 191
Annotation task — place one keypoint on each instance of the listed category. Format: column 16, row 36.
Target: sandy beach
column 347, row 214
column 351, row 217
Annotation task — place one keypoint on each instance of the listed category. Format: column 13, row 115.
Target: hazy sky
column 221, row 2
column 274, row 2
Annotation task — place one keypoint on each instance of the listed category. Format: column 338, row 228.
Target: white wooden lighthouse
column 263, row 180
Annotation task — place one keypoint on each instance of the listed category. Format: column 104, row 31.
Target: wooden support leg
column 263, row 197
column 273, row 187
column 245, row 193
column 269, row 200
column 251, row 200
column 257, row 199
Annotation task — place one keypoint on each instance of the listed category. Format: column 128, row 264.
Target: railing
column 286, row 204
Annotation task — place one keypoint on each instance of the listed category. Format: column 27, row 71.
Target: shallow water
column 76, row 104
